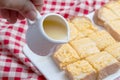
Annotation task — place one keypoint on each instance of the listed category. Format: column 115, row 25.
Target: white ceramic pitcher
column 37, row 38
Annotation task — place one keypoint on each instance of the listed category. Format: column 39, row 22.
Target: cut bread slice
column 102, row 39
column 78, row 37
column 84, row 47
column 114, row 6
column 84, row 25
column 81, row 23
column 105, row 14
column 81, row 70
column 114, row 50
column 97, row 20
column 113, row 27
column 73, row 31
column 109, row 17
column 65, row 55
column 104, row 63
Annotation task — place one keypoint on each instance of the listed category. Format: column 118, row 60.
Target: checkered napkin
column 14, row 65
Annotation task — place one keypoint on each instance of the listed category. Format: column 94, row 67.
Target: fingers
column 10, row 15
column 13, row 15
column 24, row 7
column 19, row 9
column 29, row 10
column 4, row 13
column 20, row 17
column 38, row 4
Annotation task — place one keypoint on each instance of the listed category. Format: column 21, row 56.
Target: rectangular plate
column 49, row 69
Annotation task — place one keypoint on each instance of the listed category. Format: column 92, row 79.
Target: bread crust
column 99, row 20
column 83, row 74
column 91, row 76
column 108, row 71
column 114, row 33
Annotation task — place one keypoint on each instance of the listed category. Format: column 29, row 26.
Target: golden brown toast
column 102, row 39
column 82, row 58
column 114, row 50
column 65, row 55
column 81, row 70
column 85, row 47
column 84, row 25
column 104, row 63
column 73, row 31
column 108, row 16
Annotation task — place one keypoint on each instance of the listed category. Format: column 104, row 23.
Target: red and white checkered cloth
column 14, row 65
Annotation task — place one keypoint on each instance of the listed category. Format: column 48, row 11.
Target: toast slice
column 102, row 39
column 113, row 27
column 81, row 70
column 105, row 14
column 109, row 17
column 84, row 25
column 73, row 31
column 114, row 6
column 114, row 50
column 65, row 55
column 104, row 63
column 97, row 20
column 84, row 47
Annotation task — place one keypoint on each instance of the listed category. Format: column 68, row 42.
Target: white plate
column 49, row 69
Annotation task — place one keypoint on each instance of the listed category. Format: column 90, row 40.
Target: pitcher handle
column 33, row 22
